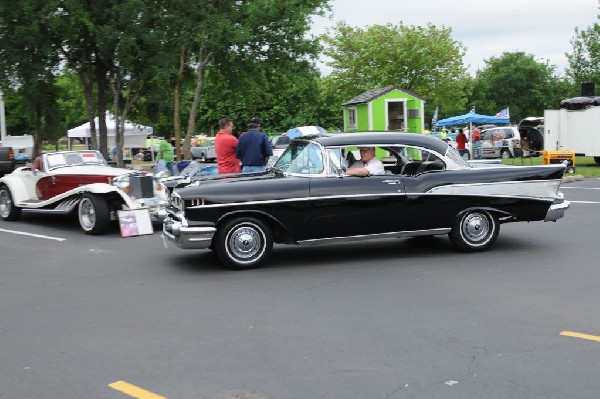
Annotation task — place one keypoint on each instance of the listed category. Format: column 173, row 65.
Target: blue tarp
column 472, row 117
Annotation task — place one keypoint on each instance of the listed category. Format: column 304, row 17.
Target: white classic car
column 67, row 181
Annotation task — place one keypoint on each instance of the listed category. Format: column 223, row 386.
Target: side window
column 421, row 161
column 508, row 134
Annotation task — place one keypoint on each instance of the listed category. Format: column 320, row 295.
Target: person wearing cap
column 367, row 165
column 254, row 148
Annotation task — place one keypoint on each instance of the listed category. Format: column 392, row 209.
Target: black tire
column 597, row 159
column 93, row 214
column 505, row 154
column 8, row 210
column 243, row 243
column 202, row 157
column 570, row 169
column 475, row 231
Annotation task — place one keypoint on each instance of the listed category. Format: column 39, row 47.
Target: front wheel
column 8, row 210
column 597, row 159
column 202, row 157
column 475, row 231
column 94, row 214
column 505, row 154
column 243, row 243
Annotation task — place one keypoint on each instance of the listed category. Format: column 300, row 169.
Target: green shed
column 387, row 109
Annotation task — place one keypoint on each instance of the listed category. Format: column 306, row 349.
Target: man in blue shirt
column 254, row 148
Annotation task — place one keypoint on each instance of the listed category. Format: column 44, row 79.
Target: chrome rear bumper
column 187, row 237
column 557, row 210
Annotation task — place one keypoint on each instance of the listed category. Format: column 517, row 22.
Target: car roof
column 380, row 139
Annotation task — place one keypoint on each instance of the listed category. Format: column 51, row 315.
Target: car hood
column 93, row 170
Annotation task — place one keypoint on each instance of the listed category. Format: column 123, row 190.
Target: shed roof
column 372, row 94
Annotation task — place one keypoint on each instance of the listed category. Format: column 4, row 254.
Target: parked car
column 307, row 199
column 279, row 144
column 532, row 134
column 205, row 152
column 501, row 142
column 8, row 163
column 82, row 182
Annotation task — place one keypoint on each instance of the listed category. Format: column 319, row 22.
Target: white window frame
column 352, row 112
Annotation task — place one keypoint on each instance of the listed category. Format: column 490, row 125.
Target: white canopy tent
column 134, row 135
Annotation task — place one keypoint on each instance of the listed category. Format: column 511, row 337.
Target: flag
column 472, row 111
column 503, row 114
column 434, row 119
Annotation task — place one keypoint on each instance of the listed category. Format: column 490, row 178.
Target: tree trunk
column 86, row 82
column 37, row 138
column 116, row 88
column 201, row 75
column 177, row 102
column 102, row 100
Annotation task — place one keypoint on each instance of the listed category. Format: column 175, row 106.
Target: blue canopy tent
column 472, row 117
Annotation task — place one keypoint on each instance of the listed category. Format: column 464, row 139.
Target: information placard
column 135, row 222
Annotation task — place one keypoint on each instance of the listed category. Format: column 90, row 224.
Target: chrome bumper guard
column 187, row 237
column 156, row 208
column 557, row 209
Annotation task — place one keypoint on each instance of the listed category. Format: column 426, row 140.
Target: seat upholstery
column 410, row 168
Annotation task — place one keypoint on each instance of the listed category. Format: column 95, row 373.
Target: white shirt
column 374, row 166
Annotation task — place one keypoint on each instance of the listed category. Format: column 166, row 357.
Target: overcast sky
column 486, row 28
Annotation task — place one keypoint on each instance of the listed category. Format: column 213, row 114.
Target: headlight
column 121, row 181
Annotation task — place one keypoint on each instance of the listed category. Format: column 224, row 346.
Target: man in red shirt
column 225, row 145
column 461, row 142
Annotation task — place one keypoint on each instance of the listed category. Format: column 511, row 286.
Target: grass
column 584, row 166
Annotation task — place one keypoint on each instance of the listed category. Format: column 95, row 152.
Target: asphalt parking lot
column 405, row 318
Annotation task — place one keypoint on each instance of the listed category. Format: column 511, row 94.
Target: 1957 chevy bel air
column 307, row 198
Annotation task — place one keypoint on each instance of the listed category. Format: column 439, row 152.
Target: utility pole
column 2, row 118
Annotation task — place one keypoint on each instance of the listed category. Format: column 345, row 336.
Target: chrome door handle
column 391, row 181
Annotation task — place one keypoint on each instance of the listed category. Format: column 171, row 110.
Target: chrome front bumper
column 557, row 210
column 187, row 237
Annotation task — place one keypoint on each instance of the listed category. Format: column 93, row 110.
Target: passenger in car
column 367, row 165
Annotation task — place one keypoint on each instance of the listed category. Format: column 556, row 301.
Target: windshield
column 74, row 158
column 301, row 157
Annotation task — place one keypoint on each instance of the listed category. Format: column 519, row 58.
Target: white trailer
column 577, row 130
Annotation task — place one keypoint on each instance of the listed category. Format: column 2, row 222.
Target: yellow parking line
column 580, row 335
column 133, row 391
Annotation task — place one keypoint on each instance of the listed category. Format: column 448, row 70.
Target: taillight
column 11, row 154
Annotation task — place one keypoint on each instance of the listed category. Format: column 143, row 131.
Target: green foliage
column 584, row 61
column 422, row 59
column 516, row 80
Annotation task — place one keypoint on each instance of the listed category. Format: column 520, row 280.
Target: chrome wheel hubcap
column 87, row 214
column 245, row 242
column 476, row 227
column 5, row 203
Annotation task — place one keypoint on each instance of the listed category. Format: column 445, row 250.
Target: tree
column 422, row 59
column 516, row 80
column 584, row 61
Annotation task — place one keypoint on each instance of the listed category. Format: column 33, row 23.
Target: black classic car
column 307, row 198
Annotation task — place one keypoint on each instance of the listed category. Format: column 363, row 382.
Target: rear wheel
column 505, row 154
column 597, row 159
column 243, row 243
column 94, row 214
column 8, row 210
column 475, row 231
column 202, row 157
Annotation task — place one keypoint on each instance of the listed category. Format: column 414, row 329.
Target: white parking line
column 23, row 233
column 584, row 202
column 581, row 188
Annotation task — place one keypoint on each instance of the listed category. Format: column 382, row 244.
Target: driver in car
column 367, row 165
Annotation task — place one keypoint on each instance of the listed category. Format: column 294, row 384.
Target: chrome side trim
column 364, row 237
column 540, row 189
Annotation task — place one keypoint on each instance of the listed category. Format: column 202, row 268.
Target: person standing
column 477, row 142
column 225, row 147
column 254, row 148
column 461, row 143
column 165, row 152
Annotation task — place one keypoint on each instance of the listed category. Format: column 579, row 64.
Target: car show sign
column 135, row 222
